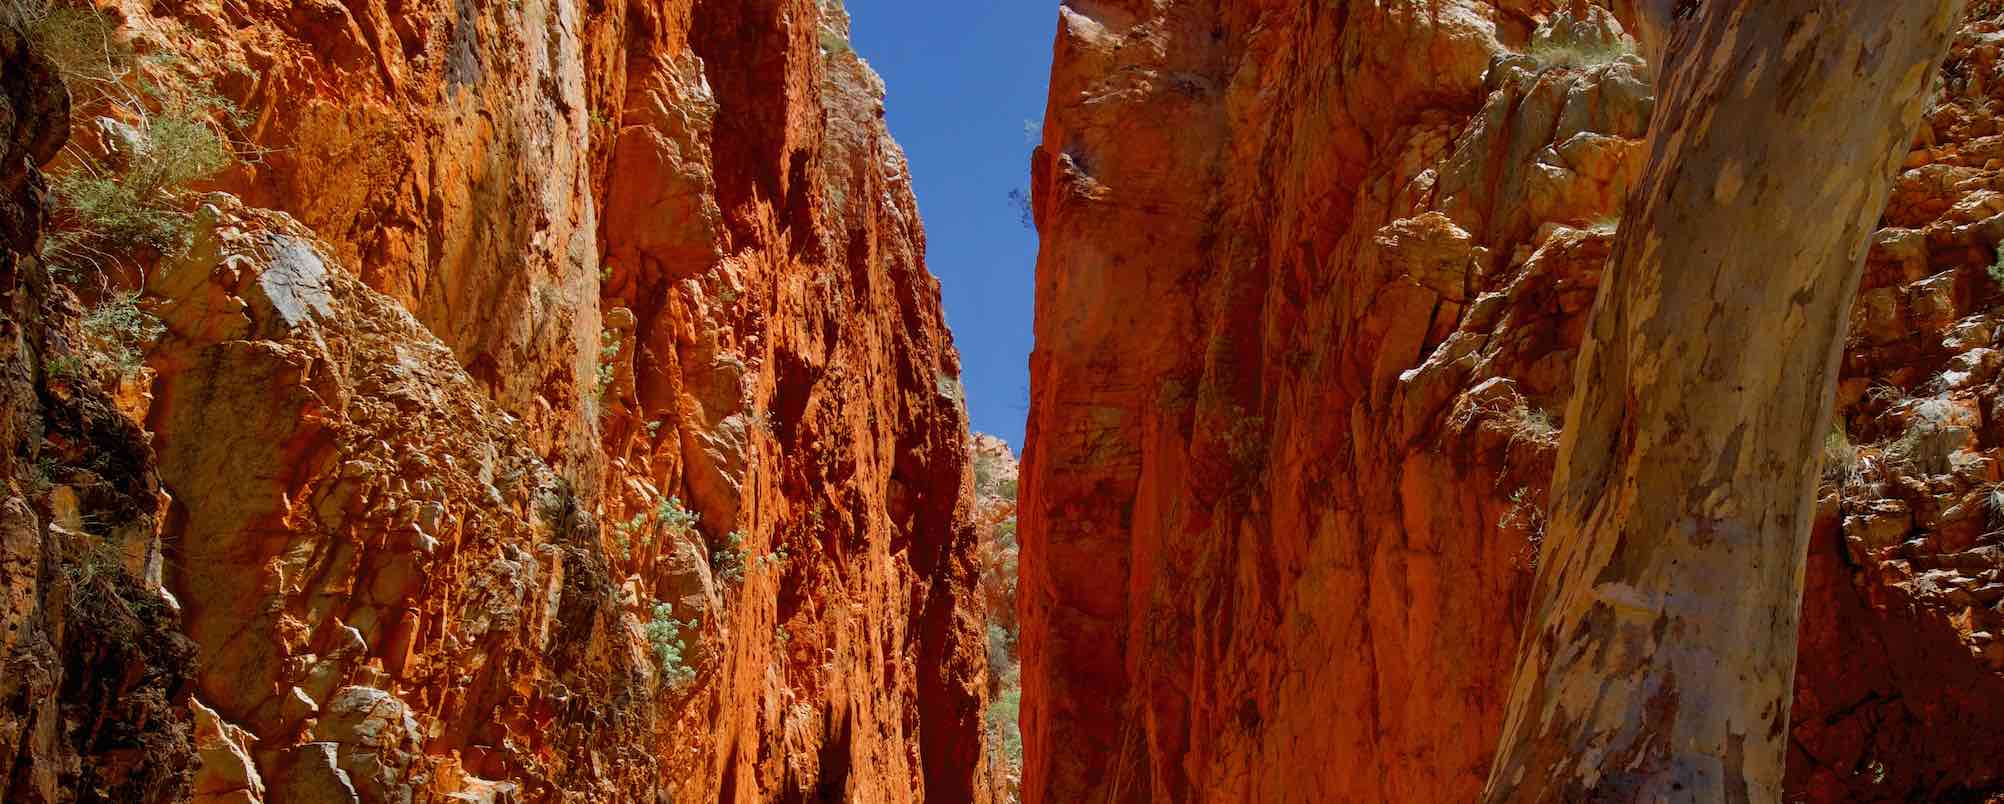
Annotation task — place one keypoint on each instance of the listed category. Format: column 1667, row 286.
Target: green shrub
column 675, row 517
column 79, row 40
column 121, row 331
column 728, row 562
column 119, row 207
column 609, row 345
column 1840, row 457
column 664, row 635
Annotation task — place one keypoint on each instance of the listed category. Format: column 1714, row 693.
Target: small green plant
column 42, row 476
column 66, row 367
column 1996, row 269
column 609, row 346
column 727, row 563
column 1524, row 511
column 121, row 330
column 1840, row 458
column 664, row 634
column 670, row 513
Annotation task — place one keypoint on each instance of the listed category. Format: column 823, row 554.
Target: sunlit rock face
column 1311, row 284
column 552, row 405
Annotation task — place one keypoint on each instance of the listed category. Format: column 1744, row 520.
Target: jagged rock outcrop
column 552, row 405
column 94, row 670
column 1280, row 548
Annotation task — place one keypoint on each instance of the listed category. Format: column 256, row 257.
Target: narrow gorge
column 411, row 401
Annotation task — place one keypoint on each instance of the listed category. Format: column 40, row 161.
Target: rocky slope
column 1302, row 358
column 549, row 402
column 995, row 488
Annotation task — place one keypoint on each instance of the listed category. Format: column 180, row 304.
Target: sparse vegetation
column 121, row 331
column 124, row 201
column 1551, row 53
column 65, row 367
column 665, row 636
column 1025, row 214
column 609, row 345
column 667, row 514
column 1005, row 735
column 1525, row 512
column 727, row 563
column 1840, row 458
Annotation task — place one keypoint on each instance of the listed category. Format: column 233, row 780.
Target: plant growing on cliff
column 668, row 514
column 609, row 345
column 123, row 198
column 664, row 635
column 1840, row 458
column 78, row 39
column 107, row 208
column 121, row 330
column 727, row 563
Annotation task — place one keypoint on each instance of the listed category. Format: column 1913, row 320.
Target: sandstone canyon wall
column 549, row 402
column 1311, row 285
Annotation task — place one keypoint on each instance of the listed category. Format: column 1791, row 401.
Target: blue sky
column 964, row 78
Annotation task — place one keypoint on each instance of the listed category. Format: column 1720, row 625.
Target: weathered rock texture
column 94, row 671
column 554, row 405
column 996, row 476
column 1301, row 362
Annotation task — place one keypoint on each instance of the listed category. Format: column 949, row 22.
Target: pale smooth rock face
column 1281, row 548
column 554, row 407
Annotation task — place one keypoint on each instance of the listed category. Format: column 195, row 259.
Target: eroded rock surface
column 1295, row 403
column 553, row 405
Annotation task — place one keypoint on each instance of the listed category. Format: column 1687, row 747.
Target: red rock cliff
column 552, row 404
column 1309, row 295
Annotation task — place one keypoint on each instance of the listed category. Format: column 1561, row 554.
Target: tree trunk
column 1658, row 659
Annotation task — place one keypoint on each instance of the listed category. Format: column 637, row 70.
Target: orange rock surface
column 1311, row 282
column 553, row 405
